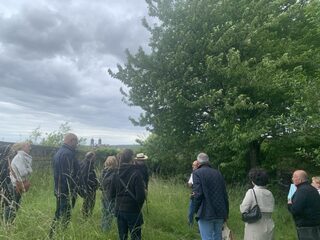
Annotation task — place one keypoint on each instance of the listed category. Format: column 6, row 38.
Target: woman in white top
column 20, row 171
column 263, row 229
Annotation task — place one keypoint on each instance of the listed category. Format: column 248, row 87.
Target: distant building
column 92, row 142
column 99, row 142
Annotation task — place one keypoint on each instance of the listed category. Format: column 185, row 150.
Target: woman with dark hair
column 88, row 183
column 263, row 229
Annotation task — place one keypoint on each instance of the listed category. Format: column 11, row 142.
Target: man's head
column 126, row 156
column 71, row 140
column 299, row 176
column 202, row 158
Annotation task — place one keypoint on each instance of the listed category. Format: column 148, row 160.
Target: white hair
column 202, row 158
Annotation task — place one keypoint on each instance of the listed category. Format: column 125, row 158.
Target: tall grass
column 165, row 214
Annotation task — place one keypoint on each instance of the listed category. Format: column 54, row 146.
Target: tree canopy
column 226, row 77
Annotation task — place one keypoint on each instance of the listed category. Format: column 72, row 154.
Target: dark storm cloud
column 54, row 57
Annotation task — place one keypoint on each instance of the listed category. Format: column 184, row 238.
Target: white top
column 264, row 197
column 21, row 165
column 190, row 182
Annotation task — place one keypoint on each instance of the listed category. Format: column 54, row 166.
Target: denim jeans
column 191, row 212
column 211, row 229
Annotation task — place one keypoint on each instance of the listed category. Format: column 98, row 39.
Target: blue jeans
column 191, row 212
column 211, row 229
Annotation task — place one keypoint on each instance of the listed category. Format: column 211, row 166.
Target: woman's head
column 22, row 146
column 90, row 156
column 111, row 162
column 316, row 182
column 259, row 176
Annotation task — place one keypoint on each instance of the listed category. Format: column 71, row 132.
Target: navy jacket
column 65, row 171
column 305, row 207
column 210, row 198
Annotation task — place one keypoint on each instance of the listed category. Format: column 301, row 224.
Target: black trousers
column 308, row 233
column 131, row 222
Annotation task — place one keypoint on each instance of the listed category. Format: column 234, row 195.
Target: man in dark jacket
column 128, row 190
column 305, row 207
column 210, row 199
column 65, row 170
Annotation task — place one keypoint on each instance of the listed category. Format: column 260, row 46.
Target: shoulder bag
column 254, row 214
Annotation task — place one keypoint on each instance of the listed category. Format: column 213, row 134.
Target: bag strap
column 126, row 187
column 254, row 193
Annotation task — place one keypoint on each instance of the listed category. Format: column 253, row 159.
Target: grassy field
column 165, row 214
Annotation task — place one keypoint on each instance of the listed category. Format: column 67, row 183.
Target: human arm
column 197, row 191
column 247, row 202
column 298, row 203
column 140, row 193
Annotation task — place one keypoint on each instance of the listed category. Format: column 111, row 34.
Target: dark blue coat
column 66, row 171
column 211, row 198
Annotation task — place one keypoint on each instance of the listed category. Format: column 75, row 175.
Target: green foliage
column 224, row 76
column 53, row 139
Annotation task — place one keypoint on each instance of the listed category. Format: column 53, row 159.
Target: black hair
column 259, row 176
column 126, row 156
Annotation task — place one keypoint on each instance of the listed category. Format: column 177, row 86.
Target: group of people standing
column 16, row 169
column 209, row 203
column 124, row 185
column 124, row 182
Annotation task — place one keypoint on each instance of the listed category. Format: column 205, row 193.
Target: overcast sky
column 54, row 57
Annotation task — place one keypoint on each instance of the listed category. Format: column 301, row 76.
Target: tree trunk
column 254, row 154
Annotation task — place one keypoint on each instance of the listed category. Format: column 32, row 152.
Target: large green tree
column 223, row 76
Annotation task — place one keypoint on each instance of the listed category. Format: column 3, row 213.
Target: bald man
column 305, row 207
column 66, row 170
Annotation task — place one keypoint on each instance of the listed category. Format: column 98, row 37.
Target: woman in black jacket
column 110, row 169
column 88, row 184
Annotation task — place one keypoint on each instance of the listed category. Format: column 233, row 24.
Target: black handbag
column 254, row 214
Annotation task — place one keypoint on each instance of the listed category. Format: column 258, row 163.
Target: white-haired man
column 210, row 199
